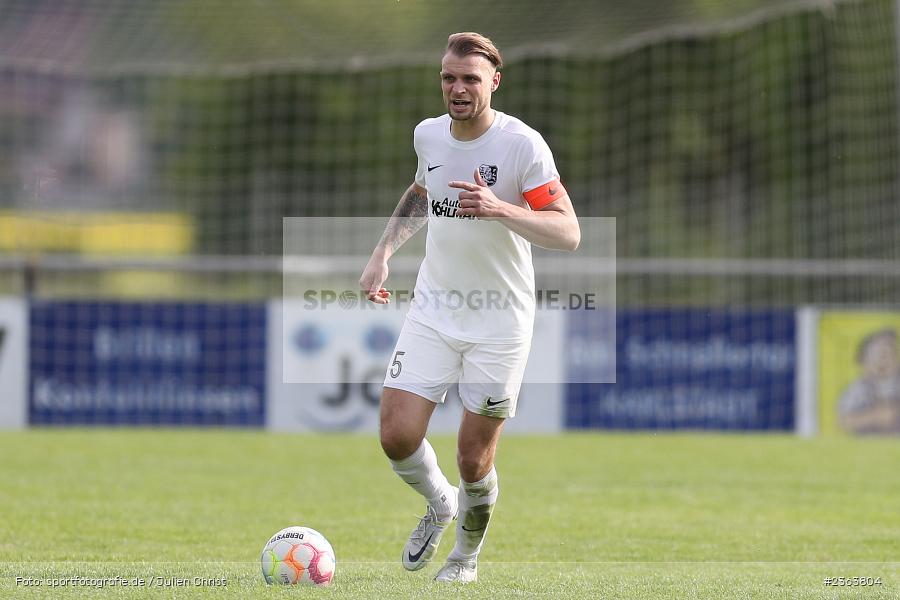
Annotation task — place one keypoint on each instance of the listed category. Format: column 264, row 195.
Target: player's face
column 468, row 82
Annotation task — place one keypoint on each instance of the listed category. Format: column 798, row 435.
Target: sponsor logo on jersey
column 448, row 208
column 488, row 173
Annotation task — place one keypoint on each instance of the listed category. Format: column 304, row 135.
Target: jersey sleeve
column 421, row 164
column 540, row 183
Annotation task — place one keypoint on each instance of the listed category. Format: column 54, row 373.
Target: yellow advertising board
column 859, row 372
column 96, row 233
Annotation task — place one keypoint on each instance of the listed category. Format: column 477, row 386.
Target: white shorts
column 427, row 362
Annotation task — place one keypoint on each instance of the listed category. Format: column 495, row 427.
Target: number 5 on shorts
column 396, row 365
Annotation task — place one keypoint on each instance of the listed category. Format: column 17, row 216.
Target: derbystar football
column 298, row 555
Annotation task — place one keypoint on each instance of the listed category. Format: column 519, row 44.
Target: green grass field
column 580, row 515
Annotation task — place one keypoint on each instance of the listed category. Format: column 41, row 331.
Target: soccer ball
column 298, row 555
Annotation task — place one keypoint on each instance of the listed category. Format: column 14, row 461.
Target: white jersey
column 476, row 283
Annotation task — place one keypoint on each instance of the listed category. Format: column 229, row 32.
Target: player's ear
column 495, row 81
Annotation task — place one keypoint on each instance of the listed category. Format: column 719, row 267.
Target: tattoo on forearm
column 409, row 216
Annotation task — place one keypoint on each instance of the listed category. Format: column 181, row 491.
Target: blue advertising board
column 719, row 369
column 136, row 363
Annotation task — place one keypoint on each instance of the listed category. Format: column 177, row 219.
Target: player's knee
column 403, row 423
column 473, row 466
column 397, row 443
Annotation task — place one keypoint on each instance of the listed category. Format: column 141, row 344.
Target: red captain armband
column 543, row 195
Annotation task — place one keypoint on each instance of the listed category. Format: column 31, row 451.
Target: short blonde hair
column 469, row 42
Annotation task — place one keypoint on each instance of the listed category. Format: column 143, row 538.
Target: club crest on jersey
column 488, row 173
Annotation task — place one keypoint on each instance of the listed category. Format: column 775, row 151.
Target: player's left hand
column 477, row 199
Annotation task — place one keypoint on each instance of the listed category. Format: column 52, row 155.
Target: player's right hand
column 374, row 275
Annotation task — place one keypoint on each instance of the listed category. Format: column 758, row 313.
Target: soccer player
column 488, row 188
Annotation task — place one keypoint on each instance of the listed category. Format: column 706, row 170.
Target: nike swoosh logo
column 472, row 530
column 418, row 555
column 553, row 191
column 489, row 403
column 430, row 169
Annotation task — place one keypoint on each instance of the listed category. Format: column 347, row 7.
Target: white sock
column 476, row 503
column 421, row 471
